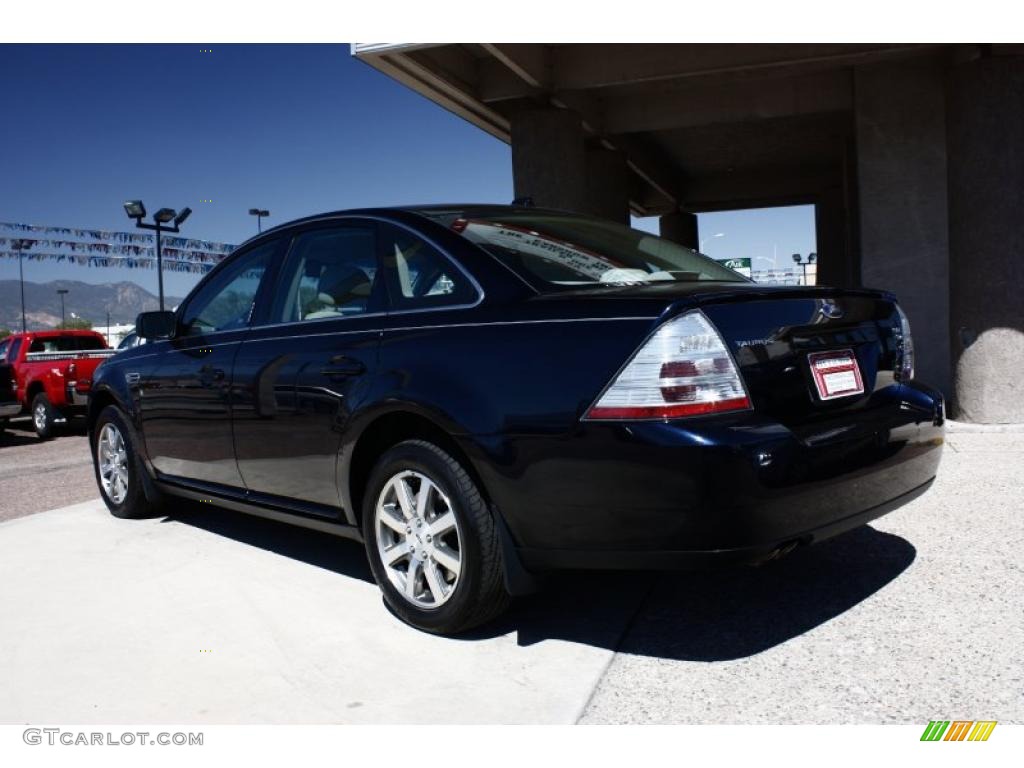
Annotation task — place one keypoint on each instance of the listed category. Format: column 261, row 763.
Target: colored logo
column 958, row 730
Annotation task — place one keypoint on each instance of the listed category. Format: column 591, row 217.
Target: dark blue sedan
column 481, row 394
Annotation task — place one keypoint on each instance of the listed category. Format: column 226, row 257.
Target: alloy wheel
column 112, row 455
column 39, row 417
column 418, row 539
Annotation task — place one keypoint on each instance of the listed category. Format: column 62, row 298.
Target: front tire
column 431, row 541
column 118, row 466
column 43, row 416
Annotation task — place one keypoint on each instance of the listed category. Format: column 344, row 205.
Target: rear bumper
column 74, row 398
column 708, row 490
column 553, row 559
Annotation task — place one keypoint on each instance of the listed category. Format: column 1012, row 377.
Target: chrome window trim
column 381, row 330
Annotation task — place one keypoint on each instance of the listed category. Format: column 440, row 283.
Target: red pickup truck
column 52, row 372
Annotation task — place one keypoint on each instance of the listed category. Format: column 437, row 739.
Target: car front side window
column 226, row 302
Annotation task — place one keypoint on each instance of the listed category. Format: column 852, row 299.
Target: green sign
column 739, row 265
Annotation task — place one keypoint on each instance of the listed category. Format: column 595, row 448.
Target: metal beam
column 628, row 112
column 529, row 62
column 608, row 65
column 758, row 188
column 422, row 71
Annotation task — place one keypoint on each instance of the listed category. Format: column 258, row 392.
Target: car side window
column 3, row 350
column 15, row 349
column 419, row 276
column 329, row 273
column 226, row 302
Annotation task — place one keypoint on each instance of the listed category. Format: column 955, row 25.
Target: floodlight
column 135, row 209
column 183, row 214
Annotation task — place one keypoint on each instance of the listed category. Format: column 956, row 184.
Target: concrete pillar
column 835, row 268
column 900, row 117
column 549, row 158
column 680, row 227
column 608, row 179
column 986, row 205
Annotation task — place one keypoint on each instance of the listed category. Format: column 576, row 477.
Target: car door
column 300, row 372
column 185, row 392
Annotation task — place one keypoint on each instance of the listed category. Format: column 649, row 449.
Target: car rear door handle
column 343, row 365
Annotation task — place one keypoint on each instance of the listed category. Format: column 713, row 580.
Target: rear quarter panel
column 490, row 382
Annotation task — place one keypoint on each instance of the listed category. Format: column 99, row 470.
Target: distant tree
column 75, row 324
column 5, row 332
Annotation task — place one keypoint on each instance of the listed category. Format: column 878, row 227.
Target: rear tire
column 455, row 559
column 43, row 416
column 118, row 466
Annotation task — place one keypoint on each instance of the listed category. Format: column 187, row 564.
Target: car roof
column 423, row 210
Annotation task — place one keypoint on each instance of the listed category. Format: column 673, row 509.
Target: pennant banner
column 127, row 262
column 102, row 248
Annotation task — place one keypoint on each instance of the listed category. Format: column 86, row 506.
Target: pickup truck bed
column 52, row 371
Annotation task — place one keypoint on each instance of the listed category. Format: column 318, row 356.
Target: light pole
column 811, row 258
column 701, row 243
column 62, row 292
column 21, row 246
column 259, row 213
column 136, row 210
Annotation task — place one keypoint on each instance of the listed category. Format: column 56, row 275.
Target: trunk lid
column 781, row 343
column 777, row 334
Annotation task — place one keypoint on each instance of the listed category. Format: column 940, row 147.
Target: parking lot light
column 259, row 213
column 136, row 210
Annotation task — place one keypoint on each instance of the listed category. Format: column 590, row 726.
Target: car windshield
column 66, row 344
column 559, row 251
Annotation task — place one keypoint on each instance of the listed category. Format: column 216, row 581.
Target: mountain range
column 90, row 301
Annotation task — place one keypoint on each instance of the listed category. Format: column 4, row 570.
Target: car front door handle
column 210, row 374
column 343, row 365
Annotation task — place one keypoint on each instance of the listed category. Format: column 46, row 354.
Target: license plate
column 836, row 374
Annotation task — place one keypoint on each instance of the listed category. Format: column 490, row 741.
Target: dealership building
column 913, row 156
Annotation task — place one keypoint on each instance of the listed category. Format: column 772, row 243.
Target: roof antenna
column 523, row 202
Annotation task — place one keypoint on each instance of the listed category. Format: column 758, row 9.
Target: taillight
column 905, row 370
column 683, row 369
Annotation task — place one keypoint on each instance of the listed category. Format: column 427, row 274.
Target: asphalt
column 36, row 476
column 207, row 616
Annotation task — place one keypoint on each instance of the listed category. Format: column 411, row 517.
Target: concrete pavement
column 208, row 616
column 217, row 618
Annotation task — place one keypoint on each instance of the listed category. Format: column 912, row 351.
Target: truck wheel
column 118, row 467
column 43, row 415
column 431, row 541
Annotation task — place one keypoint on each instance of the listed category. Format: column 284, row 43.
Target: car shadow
column 9, row 439
column 714, row 615
column 342, row 556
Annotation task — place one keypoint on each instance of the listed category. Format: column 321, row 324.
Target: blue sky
column 296, row 129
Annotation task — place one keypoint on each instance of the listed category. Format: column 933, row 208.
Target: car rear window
column 66, row 344
column 555, row 251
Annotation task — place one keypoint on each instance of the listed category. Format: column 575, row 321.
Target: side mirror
column 155, row 325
